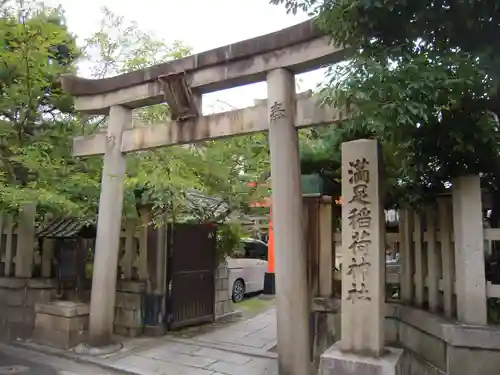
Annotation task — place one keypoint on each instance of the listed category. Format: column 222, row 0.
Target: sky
column 202, row 25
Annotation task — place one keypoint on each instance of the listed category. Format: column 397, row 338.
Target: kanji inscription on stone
column 276, row 111
column 360, row 224
column 363, row 249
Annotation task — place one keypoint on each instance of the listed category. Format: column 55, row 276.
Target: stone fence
column 437, row 346
column 17, row 240
column 425, row 272
column 17, row 304
column 436, row 290
column 27, row 277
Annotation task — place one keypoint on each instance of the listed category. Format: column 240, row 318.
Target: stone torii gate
column 275, row 58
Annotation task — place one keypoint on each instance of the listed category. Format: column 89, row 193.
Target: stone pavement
column 177, row 358
column 258, row 333
column 240, row 348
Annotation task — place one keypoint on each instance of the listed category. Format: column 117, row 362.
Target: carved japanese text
column 276, row 111
column 360, row 223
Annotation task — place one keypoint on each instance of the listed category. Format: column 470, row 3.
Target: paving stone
column 150, row 366
column 251, row 341
column 177, row 347
column 271, row 365
column 219, row 355
column 220, row 338
column 135, row 363
column 264, row 335
column 196, row 357
column 254, row 367
column 179, row 358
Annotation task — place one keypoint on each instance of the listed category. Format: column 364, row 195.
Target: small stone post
column 469, row 250
column 406, row 229
column 292, row 296
column 361, row 349
column 102, row 302
column 223, row 305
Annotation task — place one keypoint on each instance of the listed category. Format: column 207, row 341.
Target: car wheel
column 238, row 290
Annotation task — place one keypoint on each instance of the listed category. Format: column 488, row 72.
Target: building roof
column 196, row 201
column 63, row 228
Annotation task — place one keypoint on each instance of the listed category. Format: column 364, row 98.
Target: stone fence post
column 469, row 250
column 223, row 304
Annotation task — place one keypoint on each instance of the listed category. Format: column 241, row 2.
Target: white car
column 246, row 273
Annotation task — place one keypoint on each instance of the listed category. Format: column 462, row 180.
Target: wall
column 413, row 364
column 19, row 255
column 454, row 349
column 17, row 302
column 436, row 346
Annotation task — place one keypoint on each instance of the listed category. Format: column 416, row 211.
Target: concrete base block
column 336, row 362
column 269, row 284
column 62, row 324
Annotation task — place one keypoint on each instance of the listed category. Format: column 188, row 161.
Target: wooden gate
column 191, row 274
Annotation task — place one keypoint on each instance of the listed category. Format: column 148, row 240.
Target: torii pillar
column 102, row 300
column 292, row 293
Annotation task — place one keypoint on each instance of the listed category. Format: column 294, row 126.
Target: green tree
column 419, row 80
column 155, row 177
column 230, row 165
column 163, row 177
column 37, row 124
column 36, row 119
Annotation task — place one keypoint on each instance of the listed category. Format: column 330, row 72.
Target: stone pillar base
column 335, row 362
column 269, row 284
column 62, row 324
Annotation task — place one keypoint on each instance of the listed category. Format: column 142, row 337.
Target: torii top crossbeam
column 299, row 48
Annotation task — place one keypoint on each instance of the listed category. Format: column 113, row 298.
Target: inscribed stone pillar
column 102, row 302
column 469, row 250
column 292, row 297
column 363, row 249
column 361, row 348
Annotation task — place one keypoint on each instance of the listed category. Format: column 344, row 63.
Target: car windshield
column 255, row 249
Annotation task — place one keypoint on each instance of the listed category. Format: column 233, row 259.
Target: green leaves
column 37, row 125
column 163, row 178
column 424, row 81
column 35, row 134
column 120, row 46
